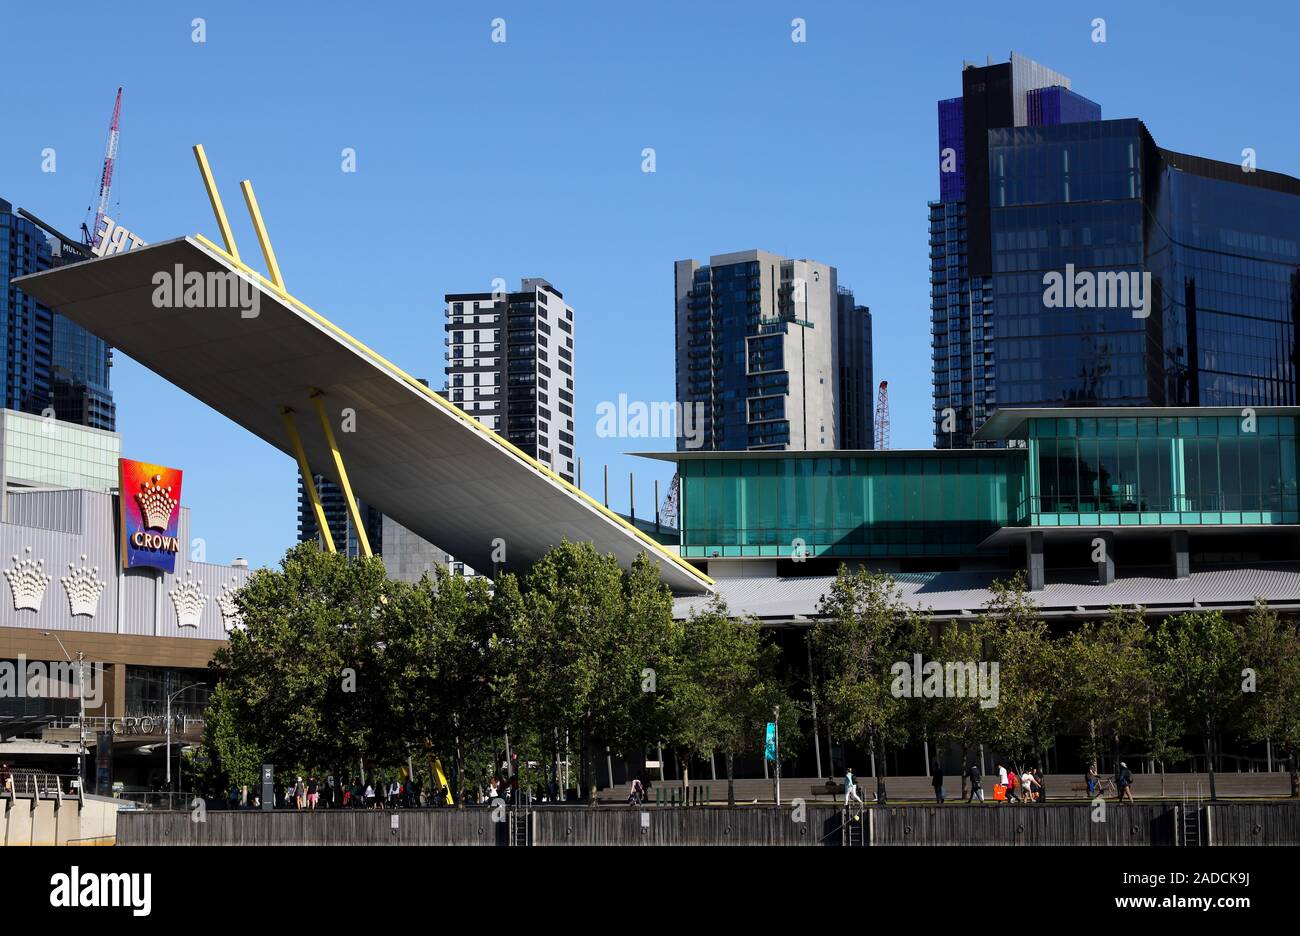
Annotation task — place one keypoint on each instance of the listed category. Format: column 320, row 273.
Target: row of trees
column 339, row 664
column 1118, row 684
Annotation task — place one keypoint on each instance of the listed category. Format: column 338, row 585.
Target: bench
column 829, row 788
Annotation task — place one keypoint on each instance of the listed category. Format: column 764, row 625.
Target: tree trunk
column 1209, row 760
column 880, row 779
column 589, row 765
column 460, row 777
column 731, row 782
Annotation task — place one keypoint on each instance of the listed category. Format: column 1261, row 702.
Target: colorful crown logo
column 83, row 587
column 27, row 582
column 188, row 599
column 230, row 615
column 156, row 503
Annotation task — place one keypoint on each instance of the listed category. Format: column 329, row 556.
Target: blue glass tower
column 1217, row 246
column 48, row 361
column 1017, row 93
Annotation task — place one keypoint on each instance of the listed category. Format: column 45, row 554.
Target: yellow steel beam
column 262, row 237
column 308, row 479
column 351, row 501
column 215, row 197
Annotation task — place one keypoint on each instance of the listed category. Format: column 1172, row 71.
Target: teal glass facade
column 904, row 504
column 1176, row 467
column 1170, row 470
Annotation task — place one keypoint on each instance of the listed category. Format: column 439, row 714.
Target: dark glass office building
column 1213, row 249
column 1076, row 263
column 1018, row 93
column 48, row 362
column 856, row 411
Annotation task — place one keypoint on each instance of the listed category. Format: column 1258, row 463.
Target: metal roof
column 414, row 456
column 962, row 594
column 1003, row 422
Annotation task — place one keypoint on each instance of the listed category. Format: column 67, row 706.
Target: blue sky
column 478, row 159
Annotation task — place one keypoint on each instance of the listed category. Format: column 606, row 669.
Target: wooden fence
column 821, row 825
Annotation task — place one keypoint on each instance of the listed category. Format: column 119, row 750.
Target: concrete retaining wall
column 46, row 821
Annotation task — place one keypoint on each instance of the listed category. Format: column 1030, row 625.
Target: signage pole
column 776, row 738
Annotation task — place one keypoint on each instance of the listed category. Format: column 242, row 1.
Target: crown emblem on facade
column 27, row 582
column 188, row 599
column 229, row 608
column 83, row 586
column 156, row 503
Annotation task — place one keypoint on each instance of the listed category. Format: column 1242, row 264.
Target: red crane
column 882, row 417
column 106, row 176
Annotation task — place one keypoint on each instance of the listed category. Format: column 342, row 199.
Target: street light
column 81, row 698
column 169, row 728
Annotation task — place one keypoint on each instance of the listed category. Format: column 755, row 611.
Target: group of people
column 1121, row 786
column 310, row 793
column 1023, row 787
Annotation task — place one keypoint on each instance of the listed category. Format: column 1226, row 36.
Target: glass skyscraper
column 1052, row 223
column 1017, row 93
column 48, row 361
column 1218, row 245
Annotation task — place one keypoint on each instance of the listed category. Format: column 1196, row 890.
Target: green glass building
column 1195, row 478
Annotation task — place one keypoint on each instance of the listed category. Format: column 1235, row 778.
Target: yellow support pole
column 351, row 501
column 262, row 237
column 308, row 479
column 215, row 197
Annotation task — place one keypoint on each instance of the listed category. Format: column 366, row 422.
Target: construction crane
column 668, row 512
column 882, row 417
column 88, row 234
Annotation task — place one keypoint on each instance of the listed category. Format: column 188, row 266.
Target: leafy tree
column 1271, row 648
column 304, row 685
column 1028, row 714
column 958, row 720
column 1198, row 664
column 723, row 687
column 865, row 628
column 587, row 649
column 1109, row 684
column 448, row 667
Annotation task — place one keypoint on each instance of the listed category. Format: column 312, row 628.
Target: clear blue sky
column 477, row 160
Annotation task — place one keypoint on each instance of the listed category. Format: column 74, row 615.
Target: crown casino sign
column 151, row 514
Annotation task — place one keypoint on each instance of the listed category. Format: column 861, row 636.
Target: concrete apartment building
column 510, row 366
column 756, row 350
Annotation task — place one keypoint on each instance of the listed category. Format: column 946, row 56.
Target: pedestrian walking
column 976, row 783
column 936, row 780
column 850, row 788
column 1124, row 783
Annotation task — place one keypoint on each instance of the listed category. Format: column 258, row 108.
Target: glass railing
column 1152, row 509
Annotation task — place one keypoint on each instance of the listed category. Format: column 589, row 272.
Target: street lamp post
column 169, row 728
column 81, row 699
